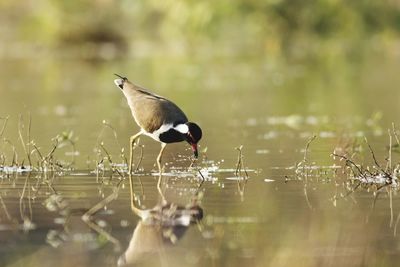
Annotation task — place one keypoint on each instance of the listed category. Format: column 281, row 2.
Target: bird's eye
column 191, row 137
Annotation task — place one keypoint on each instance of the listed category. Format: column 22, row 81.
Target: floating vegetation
column 375, row 176
column 352, row 176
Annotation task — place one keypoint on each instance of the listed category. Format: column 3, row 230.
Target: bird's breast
column 171, row 136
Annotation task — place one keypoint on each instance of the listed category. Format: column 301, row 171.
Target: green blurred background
column 243, row 59
column 273, row 30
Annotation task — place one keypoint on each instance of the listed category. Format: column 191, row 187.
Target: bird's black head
column 193, row 136
column 120, row 82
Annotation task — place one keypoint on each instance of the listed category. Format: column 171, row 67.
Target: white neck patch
column 182, row 128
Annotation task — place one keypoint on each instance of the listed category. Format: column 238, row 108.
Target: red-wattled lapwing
column 158, row 118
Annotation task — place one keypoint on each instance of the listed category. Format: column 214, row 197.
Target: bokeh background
column 244, row 59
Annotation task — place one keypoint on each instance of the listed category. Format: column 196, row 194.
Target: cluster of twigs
column 377, row 176
column 45, row 162
column 37, row 168
column 356, row 175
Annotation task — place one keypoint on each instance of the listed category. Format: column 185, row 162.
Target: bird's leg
column 163, row 145
column 131, row 143
column 160, row 191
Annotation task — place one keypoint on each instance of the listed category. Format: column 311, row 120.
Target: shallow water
column 280, row 216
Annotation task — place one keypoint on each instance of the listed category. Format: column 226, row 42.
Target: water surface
column 279, row 216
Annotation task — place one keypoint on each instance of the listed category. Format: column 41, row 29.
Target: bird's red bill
column 194, row 148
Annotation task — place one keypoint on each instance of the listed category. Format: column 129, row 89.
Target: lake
column 291, row 203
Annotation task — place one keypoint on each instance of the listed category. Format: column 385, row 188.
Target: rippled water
column 292, row 210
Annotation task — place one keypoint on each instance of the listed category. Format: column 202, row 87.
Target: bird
column 158, row 118
column 157, row 230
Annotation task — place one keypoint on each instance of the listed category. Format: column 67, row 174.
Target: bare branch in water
column 4, row 125
column 312, row 138
column 48, row 162
column 305, row 168
column 140, row 158
column 378, row 179
column 87, row 218
column 373, row 156
column 20, row 128
column 352, row 164
column 113, row 168
column 14, row 161
column 113, row 131
column 395, row 134
column 5, row 209
column 240, row 163
column 240, row 169
column 21, row 200
column 389, row 161
column 122, row 155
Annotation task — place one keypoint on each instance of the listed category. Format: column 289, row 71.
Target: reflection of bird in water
column 158, row 118
column 159, row 227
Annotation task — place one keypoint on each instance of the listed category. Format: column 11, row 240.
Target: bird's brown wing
column 151, row 111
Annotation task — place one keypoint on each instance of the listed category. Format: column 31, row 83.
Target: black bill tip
column 195, row 151
column 122, row 77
